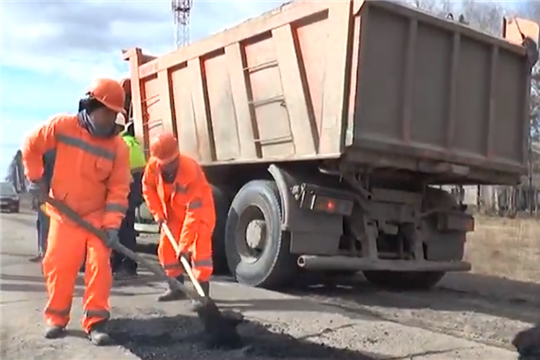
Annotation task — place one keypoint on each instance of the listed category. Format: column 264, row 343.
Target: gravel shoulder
column 279, row 325
column 479, row 315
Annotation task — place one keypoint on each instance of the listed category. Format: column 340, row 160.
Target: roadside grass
column 507, row 248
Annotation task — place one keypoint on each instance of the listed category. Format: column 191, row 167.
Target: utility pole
column 181, row 11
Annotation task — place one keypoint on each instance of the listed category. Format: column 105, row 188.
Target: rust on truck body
column 371, row 83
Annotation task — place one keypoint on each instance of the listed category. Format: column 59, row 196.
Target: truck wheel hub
column 256, row 234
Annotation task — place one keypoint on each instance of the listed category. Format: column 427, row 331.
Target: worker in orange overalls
column 91, row 175
column 176, row 191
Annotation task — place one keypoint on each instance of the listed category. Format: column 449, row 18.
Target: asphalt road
column 309, row 324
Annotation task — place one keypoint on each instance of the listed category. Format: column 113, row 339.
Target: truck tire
column 219, row 257
column 256, row 247
column 396, row 280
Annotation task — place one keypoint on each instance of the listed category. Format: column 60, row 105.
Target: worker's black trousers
column 128, row 237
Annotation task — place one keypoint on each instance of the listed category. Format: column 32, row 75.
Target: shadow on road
column 180, row 337
column 27, row 283
column 468, row 293
column 458, row 292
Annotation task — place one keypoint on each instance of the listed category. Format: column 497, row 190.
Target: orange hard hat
column 164, row 147
column 108, row 92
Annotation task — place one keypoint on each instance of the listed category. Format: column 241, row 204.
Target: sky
column 50, row 50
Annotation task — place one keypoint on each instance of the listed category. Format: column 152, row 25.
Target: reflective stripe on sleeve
column 195, row 204
column 85, row 146
column 115, row 207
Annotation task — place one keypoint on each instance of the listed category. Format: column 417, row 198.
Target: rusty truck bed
column 373, row 82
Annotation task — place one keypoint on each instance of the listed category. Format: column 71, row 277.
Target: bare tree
column 531, row 10
column 439, row 7
column 484, row 16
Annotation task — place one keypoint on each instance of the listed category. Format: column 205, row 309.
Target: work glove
column 36, row 188
column 112, row 237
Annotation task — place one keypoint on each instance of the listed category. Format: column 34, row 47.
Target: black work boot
column 196, row 304
column 98, row 335
column 54, row 331
column 171, row 294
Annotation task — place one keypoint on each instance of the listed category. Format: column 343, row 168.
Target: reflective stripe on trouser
column 60, row 267
column 201, row 254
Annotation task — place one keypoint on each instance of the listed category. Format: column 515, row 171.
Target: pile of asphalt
column 157, row 337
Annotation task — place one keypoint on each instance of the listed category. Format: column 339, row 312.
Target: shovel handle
column 185, row 264
column 102, row 235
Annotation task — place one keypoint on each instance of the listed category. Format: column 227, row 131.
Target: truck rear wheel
column 221, row 204
column 397, row 280
column 256, row 247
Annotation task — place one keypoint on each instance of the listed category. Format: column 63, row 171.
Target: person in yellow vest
column 122, row 266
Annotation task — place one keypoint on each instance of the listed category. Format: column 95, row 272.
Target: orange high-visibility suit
column 91, row 175
column 187, row 205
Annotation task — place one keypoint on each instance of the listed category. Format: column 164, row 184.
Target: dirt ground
column 506, row 248
column 353, row 321
column 468, row 316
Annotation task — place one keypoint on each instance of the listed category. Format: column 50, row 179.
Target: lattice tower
column 181, row 11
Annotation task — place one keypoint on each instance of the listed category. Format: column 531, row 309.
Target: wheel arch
column 285, row 180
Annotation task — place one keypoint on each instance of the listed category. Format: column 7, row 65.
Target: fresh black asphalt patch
column 156, row 337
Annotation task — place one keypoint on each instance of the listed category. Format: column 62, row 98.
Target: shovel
column 220, row 329
column 185, row 264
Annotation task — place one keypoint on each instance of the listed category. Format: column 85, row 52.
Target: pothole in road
column 181, row 337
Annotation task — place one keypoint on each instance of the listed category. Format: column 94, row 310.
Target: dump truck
column 325, row 128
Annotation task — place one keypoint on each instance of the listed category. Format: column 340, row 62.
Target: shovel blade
column 220, row 328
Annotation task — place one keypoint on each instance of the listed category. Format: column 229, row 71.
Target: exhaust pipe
column 329, row 263
column 355, row 264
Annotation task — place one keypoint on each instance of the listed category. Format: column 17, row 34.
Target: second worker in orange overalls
column 176, row 191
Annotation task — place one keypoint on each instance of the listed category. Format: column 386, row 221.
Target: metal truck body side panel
column 371, row 81
column 434, row 90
